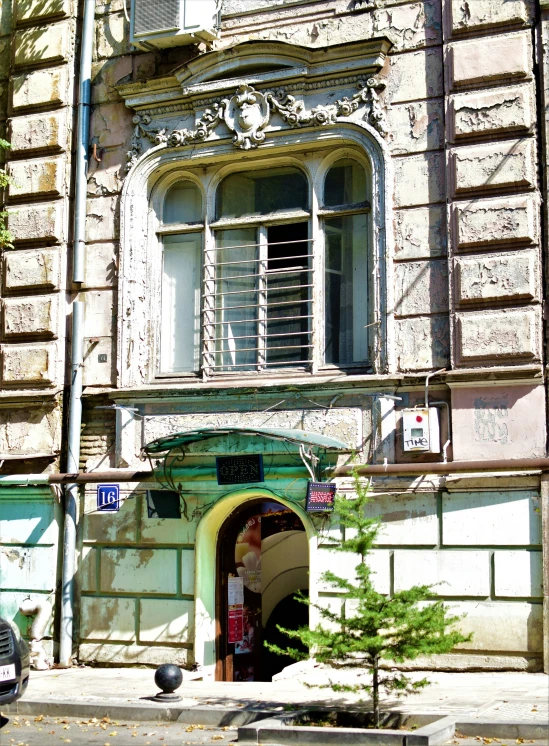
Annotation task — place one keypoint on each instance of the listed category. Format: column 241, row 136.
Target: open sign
column 108, row 497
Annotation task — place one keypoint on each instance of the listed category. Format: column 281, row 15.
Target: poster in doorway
column 246, row 642
column 235, row 588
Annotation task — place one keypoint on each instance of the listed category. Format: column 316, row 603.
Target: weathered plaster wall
column 460, row 104
column 137, row 585
column 30, row 522
column 482, row 546
column 456, row 538
column 460, row 101
column 449, row 135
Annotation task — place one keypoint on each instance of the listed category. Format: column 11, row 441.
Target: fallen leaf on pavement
column 38, row 718
column 113, row 733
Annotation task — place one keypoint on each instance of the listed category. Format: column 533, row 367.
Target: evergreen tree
column 373, row 629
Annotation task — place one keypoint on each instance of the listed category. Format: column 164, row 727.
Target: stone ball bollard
column 168, row 677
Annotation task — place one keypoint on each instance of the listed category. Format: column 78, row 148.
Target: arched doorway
column 262, row 561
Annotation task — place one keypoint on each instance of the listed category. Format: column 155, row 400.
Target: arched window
column 261, row 292
column 345, row 263
column 182, row 241
column 279, row 279
column 182, row 204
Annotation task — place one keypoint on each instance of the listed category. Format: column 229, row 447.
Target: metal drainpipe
column 71, row 491
column 83, row 138
column 77, row 342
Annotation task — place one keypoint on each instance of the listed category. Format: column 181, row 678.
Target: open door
column 262, row 562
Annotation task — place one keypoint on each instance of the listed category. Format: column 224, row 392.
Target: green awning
column 326, row 443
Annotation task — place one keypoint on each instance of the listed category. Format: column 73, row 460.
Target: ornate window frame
column 344, row 129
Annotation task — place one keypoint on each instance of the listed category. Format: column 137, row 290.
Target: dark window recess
column 163, row 504
column 288, row 296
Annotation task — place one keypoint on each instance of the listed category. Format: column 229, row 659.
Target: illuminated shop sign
column 320, row 496
column 239, row 469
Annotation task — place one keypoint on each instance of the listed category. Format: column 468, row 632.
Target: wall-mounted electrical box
column 421, row 430
column 173, row 23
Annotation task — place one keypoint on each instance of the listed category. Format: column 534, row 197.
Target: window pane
column 180, row 328
column 288, row 295
column 345, row 183
column 262, row 192
column 236, row 299
column 183, row 203
column 346, row 290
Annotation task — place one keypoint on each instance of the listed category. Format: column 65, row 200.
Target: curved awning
column 298, row 437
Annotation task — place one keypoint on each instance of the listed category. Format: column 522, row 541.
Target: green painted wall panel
column 27, row 522
column 28, row 568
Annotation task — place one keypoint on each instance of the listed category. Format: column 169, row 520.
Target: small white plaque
column 7, row 673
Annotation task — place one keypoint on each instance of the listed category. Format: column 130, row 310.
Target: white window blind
column 179, row 334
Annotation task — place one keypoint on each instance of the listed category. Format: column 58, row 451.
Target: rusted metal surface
column 518, row 464
column 510, row 465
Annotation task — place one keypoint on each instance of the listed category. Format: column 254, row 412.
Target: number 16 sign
column 108, row 497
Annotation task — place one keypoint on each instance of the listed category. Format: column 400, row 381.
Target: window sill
column 267, row 374
column 176, row 387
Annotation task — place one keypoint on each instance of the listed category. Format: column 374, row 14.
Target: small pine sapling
column 373, row 629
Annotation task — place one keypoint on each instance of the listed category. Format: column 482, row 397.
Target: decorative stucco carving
column 248, row 112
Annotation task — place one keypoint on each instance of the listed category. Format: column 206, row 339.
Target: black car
column 14, row 663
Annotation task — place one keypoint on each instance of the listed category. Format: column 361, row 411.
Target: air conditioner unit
column 173, row 23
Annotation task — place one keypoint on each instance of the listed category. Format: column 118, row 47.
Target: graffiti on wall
column 491, row 419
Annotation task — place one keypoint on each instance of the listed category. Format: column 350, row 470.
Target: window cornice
column 248, row 104
column 219, row 71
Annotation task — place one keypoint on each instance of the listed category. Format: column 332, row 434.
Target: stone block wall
column 38, row 47
column 493, row 192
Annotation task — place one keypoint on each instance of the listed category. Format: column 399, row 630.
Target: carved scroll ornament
column 249, row 112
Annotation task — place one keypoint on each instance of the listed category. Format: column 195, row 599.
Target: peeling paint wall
column 30, row 524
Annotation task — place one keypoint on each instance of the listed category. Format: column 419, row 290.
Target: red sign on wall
column 320, row 496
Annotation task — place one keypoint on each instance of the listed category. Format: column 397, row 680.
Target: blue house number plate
column 108, row 497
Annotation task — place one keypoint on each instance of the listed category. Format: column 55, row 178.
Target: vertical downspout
column 541, row 75
column 77, row 341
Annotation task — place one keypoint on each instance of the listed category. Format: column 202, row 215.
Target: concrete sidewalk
column 124, row 693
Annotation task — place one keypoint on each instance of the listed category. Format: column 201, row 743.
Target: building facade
column 314, row 237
